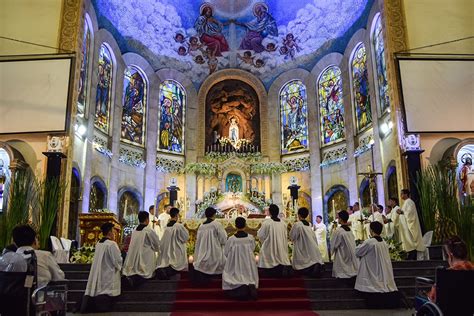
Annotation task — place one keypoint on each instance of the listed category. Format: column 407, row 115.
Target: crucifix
column 371, row 176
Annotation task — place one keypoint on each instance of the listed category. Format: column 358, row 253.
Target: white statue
column 234, row 130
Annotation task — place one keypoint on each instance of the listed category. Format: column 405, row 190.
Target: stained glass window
column 134, row 107
column 104, row 85
column 381, row 66
column 360, row 88
column 171, row 111
column 331, row 106
column 82, row 97
column 294, row 117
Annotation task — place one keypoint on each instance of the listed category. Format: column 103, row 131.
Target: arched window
column 98, row 196
column 294, row 117
column 331, row 105
column 171, row 120
column 360, row 88
column 104, row 89
column 83, row 77
column 134, row 107
column 381, row 66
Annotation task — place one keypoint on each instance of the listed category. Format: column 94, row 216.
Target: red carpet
column 276, row 297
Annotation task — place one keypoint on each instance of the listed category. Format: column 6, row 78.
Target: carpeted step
column 218, row 294
column 338, row 304
column 260, row 304
column 136, row 307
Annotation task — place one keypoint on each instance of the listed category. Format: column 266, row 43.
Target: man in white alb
column 154, row 220
column 273, row 234
column 356, row 222
column 208, row 252
column 321, row 236
column 163, row 219
column 414, row 236
column 343, row 248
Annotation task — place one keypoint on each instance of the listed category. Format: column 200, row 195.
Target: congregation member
column 103, row 284
column 375, row 276
column 240, row 276
column 173, row 255
column 24, row 237
column 141, row 260
column 413, row 235
column 273, row 257
column 320, row 231
column 10, row 261
column 306, row 256
column 209, row 257
column 163, row 219
column 356, row 222
column 343, row 245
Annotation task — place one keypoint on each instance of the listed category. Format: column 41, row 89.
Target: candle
column 333, row 210
column 125, row 208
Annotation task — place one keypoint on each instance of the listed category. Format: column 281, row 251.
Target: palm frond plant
column 22, row 195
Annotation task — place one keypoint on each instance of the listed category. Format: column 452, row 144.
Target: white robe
column 357, row 227
column 305, row 251
column 345, row 263
column 208, row 251
column 375, row 269
column 274, row 248
column 390, row 225
column 375, row 217
column 141, row 256
column 321, row 233
column 164, row 219
column 155, row 226
column 48, row 268
column 240, row 267
column 414, row 236
column 104, row 277
column 173, row 248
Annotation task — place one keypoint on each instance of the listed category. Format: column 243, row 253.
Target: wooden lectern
column 89, row 225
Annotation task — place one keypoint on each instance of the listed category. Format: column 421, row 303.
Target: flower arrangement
column 85, row 254
column 207, row 169
column 395, row 249
column 268, row 168
column 216, row 157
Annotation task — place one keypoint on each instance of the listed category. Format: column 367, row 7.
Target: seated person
column 173, row 255
column 48, row 269
column 240, row 276
column 273, row 258
column 343, row 245
column 10, row 261
column 140, row 263
column 208, row 252
column 375, row 278
column 104, row 278
column 456, row 251
column 306, row 256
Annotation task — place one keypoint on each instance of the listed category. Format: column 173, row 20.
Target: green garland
column 217, row 157
column 202, row 168
column 268, row 168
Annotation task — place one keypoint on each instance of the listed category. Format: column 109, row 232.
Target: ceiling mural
column 265, row 38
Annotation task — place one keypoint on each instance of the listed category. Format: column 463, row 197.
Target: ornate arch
column 339, row 204
column 245, row 77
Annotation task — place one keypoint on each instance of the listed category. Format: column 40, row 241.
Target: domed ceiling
column 265, row 38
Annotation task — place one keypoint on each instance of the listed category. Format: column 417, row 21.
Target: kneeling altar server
column 346, row 263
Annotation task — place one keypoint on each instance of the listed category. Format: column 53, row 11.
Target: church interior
column 115, row 106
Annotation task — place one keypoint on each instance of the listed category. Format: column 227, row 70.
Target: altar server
column 375, row 278
column 208, row 252
column 388, row 221
column 104, row 278
column 140, row 262
column 273, row 258
column 306, row 256
column 240, row 276
column 414, row 237
column 173, row 255
column 320, row 231
column 163, row 219
column 343, row 248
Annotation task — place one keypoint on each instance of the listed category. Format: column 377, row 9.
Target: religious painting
column 337, row 202
column 82, row 96
column 381, row 66
column 261, row 37
column 294, row 117
column 232, row 117
column 171, row 117
column 97, row 197
column 128, row 205
column 134, row 107
column 360, row 88
column 233, row 183
column 104, row 91
column 331, row 106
